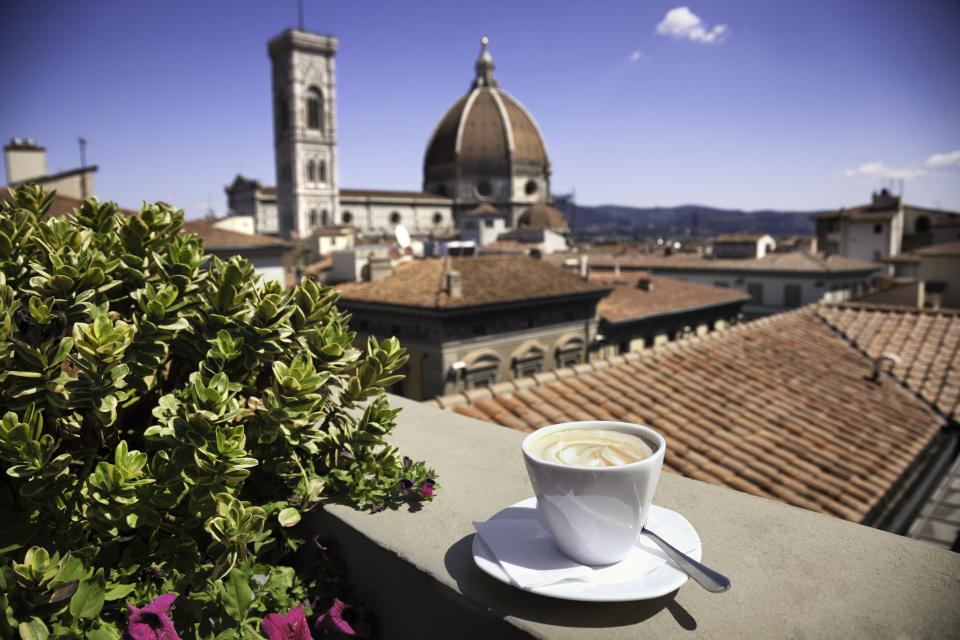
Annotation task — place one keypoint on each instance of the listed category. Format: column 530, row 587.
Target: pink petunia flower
column 152, row 622
column 426, row 489
column 331, row 624
column 293, row 626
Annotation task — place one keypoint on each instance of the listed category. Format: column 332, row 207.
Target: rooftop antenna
column 300, row 13
column 83, row 165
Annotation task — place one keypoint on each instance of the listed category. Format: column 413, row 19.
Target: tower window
column 347, row 217
column 323, row 171
column 531, row 187
column 922, row 224
column 395, row 217
column 484, row 188
column 314, row 109
column 313, row 218
column 324, row 218
column 311, row 171
column 437, row 218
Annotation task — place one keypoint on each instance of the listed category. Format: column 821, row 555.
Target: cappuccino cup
column 594, row 483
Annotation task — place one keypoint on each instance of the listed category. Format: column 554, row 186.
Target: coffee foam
column 590, row 448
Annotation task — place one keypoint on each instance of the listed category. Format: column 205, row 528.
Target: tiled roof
column 927, row 343
column 628, row 301
column 793, row 261
column 782, row 407
column 485, row 280
column 217, row 238
column 62, row 205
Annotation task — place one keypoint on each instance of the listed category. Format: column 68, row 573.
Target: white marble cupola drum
column 487, row 148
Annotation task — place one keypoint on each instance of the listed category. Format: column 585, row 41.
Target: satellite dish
column 402, row 235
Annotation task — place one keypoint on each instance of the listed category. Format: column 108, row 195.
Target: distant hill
column 677, row 222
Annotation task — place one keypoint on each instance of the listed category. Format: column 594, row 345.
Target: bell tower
column 305, row 131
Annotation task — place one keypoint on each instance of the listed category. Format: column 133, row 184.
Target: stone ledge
column 795, row 573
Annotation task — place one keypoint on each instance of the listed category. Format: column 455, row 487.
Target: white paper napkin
column 527, row 554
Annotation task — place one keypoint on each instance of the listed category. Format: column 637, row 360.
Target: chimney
column 379, row 267
column 583, row 266
column 645, row 283
column 25, row 160
column 454, row 284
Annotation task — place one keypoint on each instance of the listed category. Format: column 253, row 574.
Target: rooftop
column 485, row 280
column 783, row 408
column 62, row 205
column 628, row 301
column 927, row 343
column 794, row 261
column 216, row 238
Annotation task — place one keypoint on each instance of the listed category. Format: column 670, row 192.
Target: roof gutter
column 673, row 312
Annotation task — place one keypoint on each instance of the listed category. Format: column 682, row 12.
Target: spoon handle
column 705, row 576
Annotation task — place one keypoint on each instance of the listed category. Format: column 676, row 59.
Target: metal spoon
column 705, row 576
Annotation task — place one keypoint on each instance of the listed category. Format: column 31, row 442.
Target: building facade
column 471, row 322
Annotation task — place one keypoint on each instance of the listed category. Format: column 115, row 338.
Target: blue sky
column 772, row 104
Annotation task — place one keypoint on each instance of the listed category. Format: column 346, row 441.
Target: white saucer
column 661, row 581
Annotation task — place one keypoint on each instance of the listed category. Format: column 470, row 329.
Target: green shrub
column 166, row 419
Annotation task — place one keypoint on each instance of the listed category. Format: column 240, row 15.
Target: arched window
column 324, row 218
column 314, row 109
column 437, row 218
column 323, row 171
column 347, row 217
column 313, row 218
column 395, row 217
column 481, row 370
column 311, row 171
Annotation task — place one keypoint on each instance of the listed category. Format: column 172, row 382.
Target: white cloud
column 637, row 56
column 943, row 160
column 880, row 170
column 682, row 23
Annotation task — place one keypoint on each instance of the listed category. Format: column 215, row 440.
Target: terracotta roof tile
column 782, row 408
column 794, row 261
column 485, row 280
column 216, row 238
column 627, row 301
column 927, row 343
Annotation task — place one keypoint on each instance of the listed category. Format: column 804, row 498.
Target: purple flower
column 405, row 485
column 316, row 543
column 427, row 488
column 406, row 461
column 376, row 508
column 332, row 624
column 293, row 626
column 152, row 622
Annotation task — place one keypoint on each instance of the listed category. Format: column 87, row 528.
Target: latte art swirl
column 590, row 448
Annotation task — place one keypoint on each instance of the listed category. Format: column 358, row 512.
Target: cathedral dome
column 487, row 148
column 542, row 216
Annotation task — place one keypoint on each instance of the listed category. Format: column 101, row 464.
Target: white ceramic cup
column 595, row 514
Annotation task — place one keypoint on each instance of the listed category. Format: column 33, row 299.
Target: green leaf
column 88, row 600
column 33, row 629
column 119, row 591
column 237, row 595
column 288, row 517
